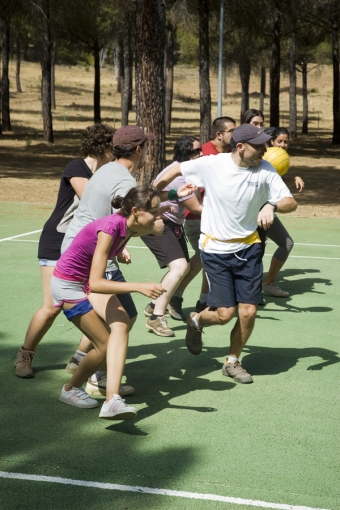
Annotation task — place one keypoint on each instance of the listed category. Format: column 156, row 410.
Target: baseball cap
column 247, row 133
column 130, row 137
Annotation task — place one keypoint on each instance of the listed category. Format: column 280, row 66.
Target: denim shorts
column 234, row 277
column 47, row 263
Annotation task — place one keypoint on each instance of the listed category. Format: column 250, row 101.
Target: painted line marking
column 146, row 248
column 20, row 235
column 149, row 490
column 305, row 244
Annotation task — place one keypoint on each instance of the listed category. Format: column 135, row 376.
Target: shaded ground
column 31, row 174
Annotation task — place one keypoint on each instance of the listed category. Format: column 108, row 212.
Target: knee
column 50, row 312
column 180, row 267
column 247, row 312
column 289, row 244
column 224, row 315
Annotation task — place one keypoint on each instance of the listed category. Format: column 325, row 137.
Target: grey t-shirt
column 111, row 180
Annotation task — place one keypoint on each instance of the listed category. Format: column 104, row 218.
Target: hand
column 152, row 290
column 186, row 190
column 265, row 217
column 158, row 228
column 299, row 183
column 124, row 257
column 166, row 208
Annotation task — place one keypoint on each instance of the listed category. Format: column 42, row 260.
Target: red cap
column 130, row 137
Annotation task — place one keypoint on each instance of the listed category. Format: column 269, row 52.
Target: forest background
column 69, row 63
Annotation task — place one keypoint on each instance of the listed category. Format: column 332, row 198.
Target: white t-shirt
column 233, row 197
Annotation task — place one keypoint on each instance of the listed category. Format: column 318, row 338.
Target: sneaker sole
column 71, row 368
column 27, row 376
column 124, row 415
column 195, row 353
column 74, row 404
column 150, row 328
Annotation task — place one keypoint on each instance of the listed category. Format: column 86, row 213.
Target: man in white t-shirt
column 236, row 187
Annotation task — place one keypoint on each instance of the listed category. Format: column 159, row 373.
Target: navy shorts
column 234, row 277
column 125, row 299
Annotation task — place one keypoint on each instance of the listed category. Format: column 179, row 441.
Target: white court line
column 20, row 235
column 149, row 490
column 305, row 244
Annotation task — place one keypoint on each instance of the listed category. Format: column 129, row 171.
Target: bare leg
column 242, row 329
column 43, row 319
column 275, row 267
column 109, row 309
column 178, row 269
column 195, row 268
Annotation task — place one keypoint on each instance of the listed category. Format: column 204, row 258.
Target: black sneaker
column 175, row 308
column 200, row 306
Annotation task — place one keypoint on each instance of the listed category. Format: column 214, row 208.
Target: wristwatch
column 273, row 204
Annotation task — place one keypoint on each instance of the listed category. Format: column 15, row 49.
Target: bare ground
column 30, row 169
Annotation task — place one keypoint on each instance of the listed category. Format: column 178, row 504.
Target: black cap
column 247, row 133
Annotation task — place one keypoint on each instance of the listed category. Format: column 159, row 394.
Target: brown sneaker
column 193, row 338
column 237, row 372
column 159, row 326
column 23, row 363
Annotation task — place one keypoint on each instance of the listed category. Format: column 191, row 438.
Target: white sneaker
column 98, row 388
column 116, row 409
column 77, row 397
column 275, row 290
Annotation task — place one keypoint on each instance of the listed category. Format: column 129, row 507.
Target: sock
column 203, row 298
column 232, row 360
column 98, row 375
column 194, row 321
column 154, row 317
column 178, row 293
column 79, row 355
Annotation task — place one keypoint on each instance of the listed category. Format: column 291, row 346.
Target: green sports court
column 200, row 441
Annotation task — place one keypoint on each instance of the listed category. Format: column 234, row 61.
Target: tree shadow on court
column 297, row 287
column 172, row 372
column 275, row 360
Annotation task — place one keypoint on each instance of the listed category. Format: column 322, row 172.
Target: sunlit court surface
column 200, row 440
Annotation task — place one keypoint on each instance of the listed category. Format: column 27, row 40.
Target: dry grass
column 26, row 159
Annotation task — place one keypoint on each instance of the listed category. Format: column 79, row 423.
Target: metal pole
column 220, row 63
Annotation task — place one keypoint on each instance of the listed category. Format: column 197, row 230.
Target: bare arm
column 193, row 205
column 294, row 181
column 99, row 284
column 265, row 217
column 78, row 184
column 171, row 174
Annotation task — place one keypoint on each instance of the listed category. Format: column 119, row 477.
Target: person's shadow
column 171, row 373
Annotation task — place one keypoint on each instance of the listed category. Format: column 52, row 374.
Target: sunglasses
column 196, row 152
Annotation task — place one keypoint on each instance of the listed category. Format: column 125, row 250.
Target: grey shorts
column 65, row 291
column 192, row 229
column 47, row 263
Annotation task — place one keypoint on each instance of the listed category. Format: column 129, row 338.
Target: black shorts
column 125, row 299
column 170, row 246
column 234, row 277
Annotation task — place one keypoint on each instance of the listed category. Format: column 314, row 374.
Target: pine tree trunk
column 46, row 73
column 125, row 87
column 96, row 92
column 150, row 102
column 6, row 121
column 336, row 84
column 292, row 85
column 244, row 69
column 275, row 73
column 304, row 98
column 262, row 88
column 169, row 75
column 204, row 83
column 53, row 58
column 17, row 67
column 120, row 58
